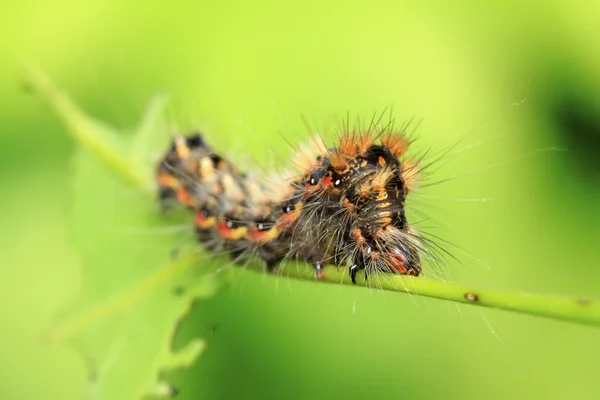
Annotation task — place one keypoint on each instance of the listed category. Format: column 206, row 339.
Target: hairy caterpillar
column 345, row 206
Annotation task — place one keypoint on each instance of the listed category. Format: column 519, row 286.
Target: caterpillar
column 345, row 206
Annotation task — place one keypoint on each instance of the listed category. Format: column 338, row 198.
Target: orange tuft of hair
column 396, row 142
column 339, row 161
column 410, row 174
column 355, row 143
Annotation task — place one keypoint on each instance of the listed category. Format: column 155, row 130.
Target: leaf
column 135, row 290
column 151, row 130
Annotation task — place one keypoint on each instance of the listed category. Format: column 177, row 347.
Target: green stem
column 85, row 132
column 580, row 310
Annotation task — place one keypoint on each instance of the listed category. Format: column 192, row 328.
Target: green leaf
column 152, row 130
column 135, row 289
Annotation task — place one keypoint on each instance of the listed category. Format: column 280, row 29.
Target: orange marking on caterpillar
column 288, row 219
column 184, row 197
column 261, row 237
column 167, row 180
column 326, row 183
column 396, row 261
column 227, row 233
column 382, row 195
column 357, row 235
column 347, row 204
column 204, row 222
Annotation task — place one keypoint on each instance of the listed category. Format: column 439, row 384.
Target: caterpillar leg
column 166, row 198
column 272, row 267
column 319, row 271
column 353, row 271
column 366, row 275
column 359, row 263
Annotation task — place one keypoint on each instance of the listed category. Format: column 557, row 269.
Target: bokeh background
column 512, row 88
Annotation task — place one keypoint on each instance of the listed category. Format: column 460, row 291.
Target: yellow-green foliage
column 489, row 77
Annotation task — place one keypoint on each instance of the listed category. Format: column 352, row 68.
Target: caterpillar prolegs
column 344, row 207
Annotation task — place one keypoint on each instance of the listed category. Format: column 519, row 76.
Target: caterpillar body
column 344, row 207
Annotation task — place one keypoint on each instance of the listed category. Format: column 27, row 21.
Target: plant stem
column 86, row 132
column 579, row 310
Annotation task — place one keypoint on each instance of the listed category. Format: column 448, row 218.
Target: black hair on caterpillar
column 345, row 207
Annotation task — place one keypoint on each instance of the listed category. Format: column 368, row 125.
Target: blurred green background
column 505, row 83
